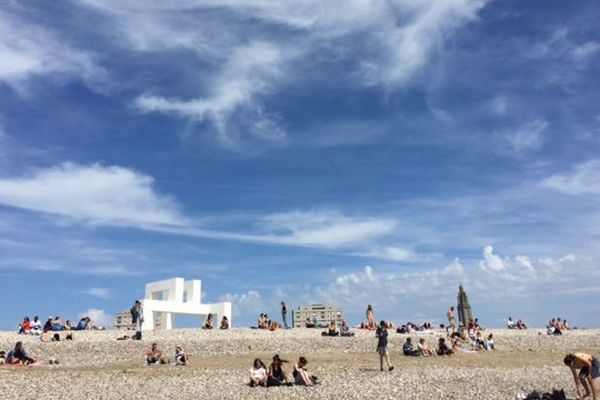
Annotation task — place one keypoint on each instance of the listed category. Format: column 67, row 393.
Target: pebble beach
column 97, row 366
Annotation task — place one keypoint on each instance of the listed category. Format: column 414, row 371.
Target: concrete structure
column 464, row 308
column 175, row 296
column 122, row 321
column 318, row 314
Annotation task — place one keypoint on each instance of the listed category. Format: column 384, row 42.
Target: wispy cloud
column 382, row 44
column 583, row 179
column 101, row 293
column 27, row 50
column 527, row 137
column 116, row 196
column 251, row 71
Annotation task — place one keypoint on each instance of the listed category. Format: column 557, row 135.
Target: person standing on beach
column 137, row 318
column 371, row 324
column 452, row 319
column 382, row 346
column 589, row 369
column 284, row 315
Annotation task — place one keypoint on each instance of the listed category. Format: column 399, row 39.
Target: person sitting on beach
column 208, row 324
column 274, row 326
column 25, row 327
column 479, row 342
column 154, row 355
column 443, row 349
column 301, row 375
column 424, row 349
column 224, row 322
column 181, row 357
column 407, row 348
column 510, row 324
column 57, row 324
column 68, row 325
column 258, row 373
column 489, row 343
column 82, row 324
column 589, row 370
column 345, row 330
column 18, row 356
column 521, row 324
column 48, row 324
column 332, row 330
column 382, row 346
column 2, row 357
column 36, row 326
column 309, row 324
column 566, row 325
column 276, row 375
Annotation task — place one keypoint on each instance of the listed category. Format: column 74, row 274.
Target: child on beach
column 258, row 373
column 301, row 375
column 589, row 370
column 382, row 346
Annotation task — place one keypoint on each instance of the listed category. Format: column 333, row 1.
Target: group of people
column 155, row 356
column 275, row 375
column 556, row 326
column 264, row 322
column 209, row 322
column 52, row 324
column 334, row 330
column 510, row 324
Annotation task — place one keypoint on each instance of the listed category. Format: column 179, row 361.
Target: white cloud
column 99, row 317
column 325, row 229
column 96, row 194
column 384, row 43
column 27, row 50
column 491, row 261
column 392, row 253
column 583, row 179
column 528, row 137
column 101, row 293
column 245, row 303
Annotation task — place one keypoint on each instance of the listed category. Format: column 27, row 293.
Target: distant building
column 318, row 314
column 122, row 321
column 465, row 314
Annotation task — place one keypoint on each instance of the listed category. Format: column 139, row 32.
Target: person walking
column 284, row 315
column 382, row 346
column 137, row 317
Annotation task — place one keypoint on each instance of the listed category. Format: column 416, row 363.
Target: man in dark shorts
column 589, row 369
column 382, row 346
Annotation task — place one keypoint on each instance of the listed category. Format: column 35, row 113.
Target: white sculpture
column 176, row 296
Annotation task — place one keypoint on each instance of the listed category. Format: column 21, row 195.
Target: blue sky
column 348, row 153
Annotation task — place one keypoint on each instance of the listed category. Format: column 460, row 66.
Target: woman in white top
column 258, row 373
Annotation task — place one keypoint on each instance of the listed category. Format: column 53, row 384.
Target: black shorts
column 585, row 371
